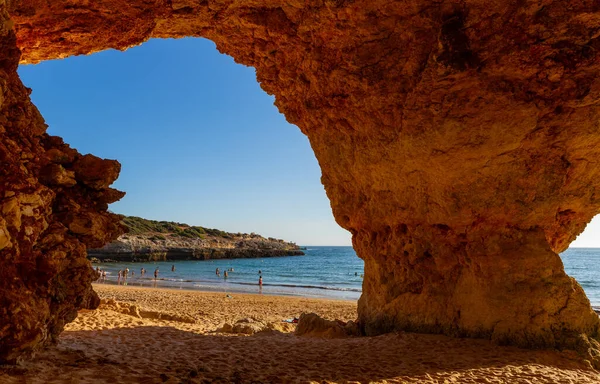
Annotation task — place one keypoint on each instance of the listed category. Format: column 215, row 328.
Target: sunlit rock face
column 53, row 204
column 458, row 140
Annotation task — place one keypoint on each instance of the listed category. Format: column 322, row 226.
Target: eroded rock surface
column 457, row 139
column 53, row 204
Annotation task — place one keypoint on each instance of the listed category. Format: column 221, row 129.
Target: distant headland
column 150, row 240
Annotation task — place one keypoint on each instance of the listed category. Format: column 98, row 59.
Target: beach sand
column 144, row 335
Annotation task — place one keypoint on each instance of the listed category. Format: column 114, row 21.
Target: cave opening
column 198, row 140
column 479, row 174
column 581, row 259
column 125, row 107
column 199, row 143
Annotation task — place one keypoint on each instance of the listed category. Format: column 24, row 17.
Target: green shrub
column 140, row 226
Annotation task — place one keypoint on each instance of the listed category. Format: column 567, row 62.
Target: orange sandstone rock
column 44, row 188
column 457, row 141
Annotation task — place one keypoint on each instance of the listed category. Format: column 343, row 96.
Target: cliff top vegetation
column 140, row 226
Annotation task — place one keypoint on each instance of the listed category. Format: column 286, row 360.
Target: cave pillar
column 464, row 166
column 460, row 216
column 506, row 285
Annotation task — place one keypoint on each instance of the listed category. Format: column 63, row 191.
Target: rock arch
column 457, row 140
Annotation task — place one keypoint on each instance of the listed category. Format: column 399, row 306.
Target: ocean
column 324, row 272
column 584, row 265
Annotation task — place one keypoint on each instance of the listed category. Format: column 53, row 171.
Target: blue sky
column 198, row 140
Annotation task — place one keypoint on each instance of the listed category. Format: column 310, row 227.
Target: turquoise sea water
column 330, row 272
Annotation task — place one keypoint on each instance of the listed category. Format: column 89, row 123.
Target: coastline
column 151, row 240
column 188, row 254
column 158, row 335
column 322, row 273
column 257, row 291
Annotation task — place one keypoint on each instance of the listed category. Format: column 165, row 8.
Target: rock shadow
column 169, row 355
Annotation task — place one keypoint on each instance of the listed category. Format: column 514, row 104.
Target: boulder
column 312, row 325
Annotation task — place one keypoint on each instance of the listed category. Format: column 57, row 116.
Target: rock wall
column 150, row 240
column 53, row 204
column 144, row 248
column 457, row 139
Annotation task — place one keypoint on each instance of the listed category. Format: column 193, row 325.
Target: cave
column 457, row 142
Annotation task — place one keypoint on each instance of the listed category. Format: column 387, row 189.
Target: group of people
column 123, row 274
column 225, row 273
column 101, row 273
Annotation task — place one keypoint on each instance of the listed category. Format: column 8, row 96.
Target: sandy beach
column 145, row 335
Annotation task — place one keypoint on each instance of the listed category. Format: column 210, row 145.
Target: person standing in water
column 260, row 281
column 173, row 268
column 156, row 273
column 225, row 274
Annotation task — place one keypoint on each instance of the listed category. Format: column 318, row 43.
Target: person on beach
column 120, row 274
column 141, row 271
column 126, row 274
column 156, row 273
column 260, row 281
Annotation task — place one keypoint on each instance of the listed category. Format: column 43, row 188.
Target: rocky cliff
column 161, row 240
column 53, row 204
column 457, row 141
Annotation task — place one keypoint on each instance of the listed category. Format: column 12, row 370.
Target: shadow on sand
column 150, row 354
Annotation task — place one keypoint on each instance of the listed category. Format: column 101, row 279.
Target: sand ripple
column 169, row 337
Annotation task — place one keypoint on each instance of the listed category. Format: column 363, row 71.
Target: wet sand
column 145, row 335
